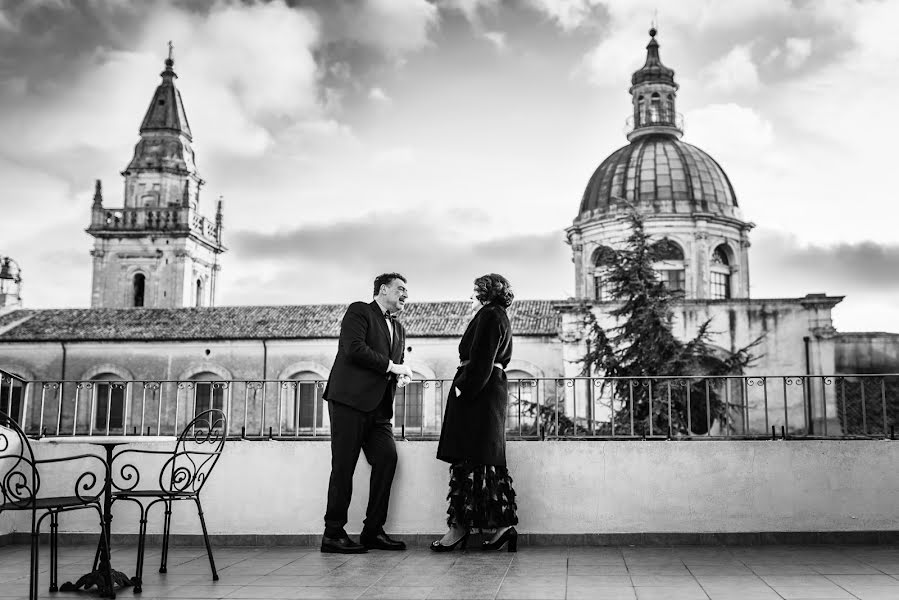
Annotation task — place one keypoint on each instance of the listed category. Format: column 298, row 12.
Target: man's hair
column 386, row 279
column 494, row 289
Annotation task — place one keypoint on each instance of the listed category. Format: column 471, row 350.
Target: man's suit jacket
column 359, row 377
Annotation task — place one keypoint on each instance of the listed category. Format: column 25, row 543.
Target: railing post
column 861, row 383
column 26, row 394
column 689, row 411
column 630, row 386
column 670, row 413
column 786, row 409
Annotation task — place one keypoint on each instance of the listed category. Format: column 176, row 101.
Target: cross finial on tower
column 171, row 50
column 654, row 25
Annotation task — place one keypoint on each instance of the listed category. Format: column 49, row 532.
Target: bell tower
column 10, row 285
column 157, row 250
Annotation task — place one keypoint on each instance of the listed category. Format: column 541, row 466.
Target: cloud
column 103, row 91
column 5, row 23
column 731, row 128
column 689, row 30
column 611, row 62
column 567, row 14
column 497, row 38
column 860, row 267
column 797, row 51
column 343, row 257
column 736, row 71
column 471, row 9
column 701, row 15
column 402, row 155
column 865, row 272
column 378, row 95
column 392, row 27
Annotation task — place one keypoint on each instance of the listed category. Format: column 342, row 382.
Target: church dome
column 659, row 173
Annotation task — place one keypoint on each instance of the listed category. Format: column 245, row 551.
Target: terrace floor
column 540, row 572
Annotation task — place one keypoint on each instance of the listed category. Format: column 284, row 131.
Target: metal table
column 97, row 576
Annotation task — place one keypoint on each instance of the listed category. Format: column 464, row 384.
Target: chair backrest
column 19, row 479
column 196, row 452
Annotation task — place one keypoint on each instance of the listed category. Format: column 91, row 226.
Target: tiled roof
column 424, row 319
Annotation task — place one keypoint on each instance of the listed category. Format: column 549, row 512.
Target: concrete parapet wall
column 566, row 488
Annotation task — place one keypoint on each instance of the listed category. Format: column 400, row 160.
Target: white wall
column 563, row 487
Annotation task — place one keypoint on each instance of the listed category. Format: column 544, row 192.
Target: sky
column 450, row 138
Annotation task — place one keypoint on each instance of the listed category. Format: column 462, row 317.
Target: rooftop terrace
column 544, row 572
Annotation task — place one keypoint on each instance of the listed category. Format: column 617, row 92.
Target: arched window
column 307, row 402
column 137, row 288
column 199, row 299
column 108, row 399
column 208, row 392
column 408, row 403
column 603, row 257
column 668, row 259
column 655, row 108
column 522, row 400
column 721, row 272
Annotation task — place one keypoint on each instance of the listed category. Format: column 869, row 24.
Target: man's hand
column 402, row 381
column 399, row 370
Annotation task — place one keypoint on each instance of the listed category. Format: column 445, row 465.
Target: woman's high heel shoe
column 462, row 542
column 509, row 537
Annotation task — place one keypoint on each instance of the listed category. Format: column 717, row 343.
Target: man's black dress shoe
column 341, row 545
column 380, row 541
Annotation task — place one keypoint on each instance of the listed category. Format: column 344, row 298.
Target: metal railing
column 662, row 118
column 171, row 218
column 696, row 407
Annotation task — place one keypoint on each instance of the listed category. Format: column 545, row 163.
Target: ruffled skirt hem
column 480, row 497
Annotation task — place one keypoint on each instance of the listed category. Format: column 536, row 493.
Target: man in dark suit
column 360, row 393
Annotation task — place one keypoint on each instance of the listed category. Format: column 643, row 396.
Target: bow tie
column 390, row 317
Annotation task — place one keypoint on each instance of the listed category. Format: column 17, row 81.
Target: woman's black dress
column 473, row 437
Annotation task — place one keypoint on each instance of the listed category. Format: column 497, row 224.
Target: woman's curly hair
column 494, row 288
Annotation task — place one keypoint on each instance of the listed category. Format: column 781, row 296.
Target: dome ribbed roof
column 659, row 173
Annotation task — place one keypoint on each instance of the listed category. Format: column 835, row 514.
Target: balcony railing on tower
column 654, row 121
column 163, row 219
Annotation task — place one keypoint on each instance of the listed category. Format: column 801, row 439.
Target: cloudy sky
column 449, row 138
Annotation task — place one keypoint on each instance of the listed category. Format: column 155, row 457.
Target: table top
column 108, row 439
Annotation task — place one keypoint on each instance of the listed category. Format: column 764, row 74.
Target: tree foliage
column 644, row 358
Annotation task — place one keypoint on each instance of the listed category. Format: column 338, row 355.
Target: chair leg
column 97, row 555
column 137, row 580
column 35, row 555
column 215, row 575
column 165, row 536
column 54, row 551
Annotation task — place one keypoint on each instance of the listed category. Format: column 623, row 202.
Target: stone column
column 700, row 266
column 577, row 257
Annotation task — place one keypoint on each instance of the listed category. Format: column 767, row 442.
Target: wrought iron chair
column 20, row 484
column 181, row 477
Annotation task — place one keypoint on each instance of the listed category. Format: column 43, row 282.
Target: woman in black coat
column 473, row 437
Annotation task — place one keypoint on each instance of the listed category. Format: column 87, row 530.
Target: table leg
column 103, row 576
